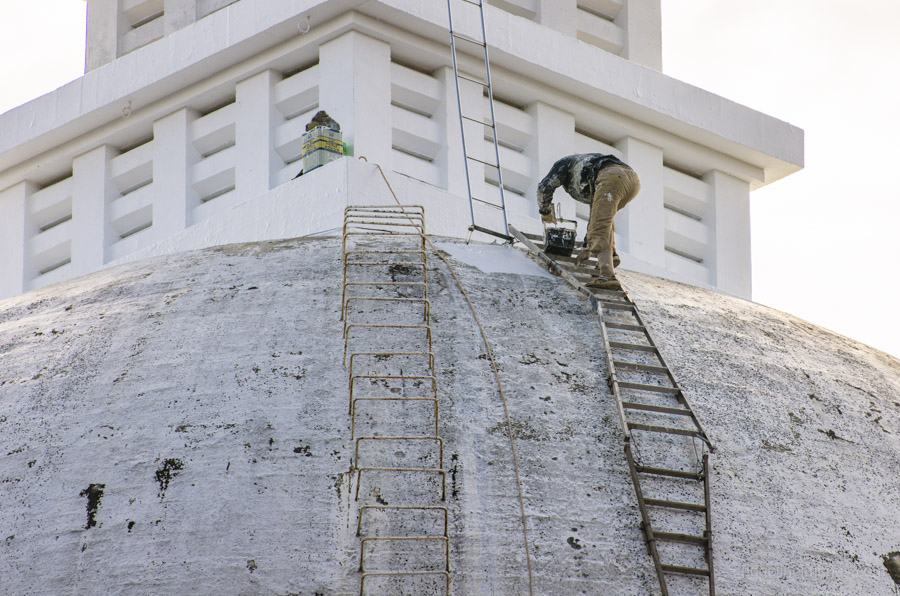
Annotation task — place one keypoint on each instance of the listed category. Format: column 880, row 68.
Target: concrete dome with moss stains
column 179, row 425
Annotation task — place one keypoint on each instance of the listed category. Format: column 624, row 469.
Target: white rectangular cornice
column 146, row 82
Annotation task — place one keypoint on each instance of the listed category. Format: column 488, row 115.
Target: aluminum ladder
column 666, row 447
column 488, row 124
column 398, row 459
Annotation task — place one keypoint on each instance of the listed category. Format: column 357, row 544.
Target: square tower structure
column 185, row 131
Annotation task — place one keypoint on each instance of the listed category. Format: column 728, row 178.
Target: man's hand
column 548, row 218
column 582, row 259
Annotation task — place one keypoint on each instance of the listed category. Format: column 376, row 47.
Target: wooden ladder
column 666, row 446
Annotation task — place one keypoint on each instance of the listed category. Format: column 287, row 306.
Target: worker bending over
column 604, row 182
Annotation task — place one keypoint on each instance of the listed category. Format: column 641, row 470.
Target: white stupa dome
column 179, row 425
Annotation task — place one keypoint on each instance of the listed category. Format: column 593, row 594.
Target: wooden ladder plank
column 630, row 405
column 682, row 538
column 685, row 570
column 668, row 472
column 638, row 366
column 636, row 347
column 614, row 305
column 676, row 505
column 626, row 326
column 664, row 430
column 653, row 388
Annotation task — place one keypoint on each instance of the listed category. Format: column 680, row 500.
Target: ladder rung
column 385, row 208
column 630, row 405
column 644, row 387
column 616, row 305
column 386, row 220
column 685, row 570
column 383, row 214
column 478, row 121
column 386, row 283
column 629, row 346
column 678, row 537
column 583, row 270
column 473, row 2
column 467, row 38
column 569, row 261
column 478, row 81
column 385, row 252
column 481, row 161
column 664, row 429
column 488, row 203
column 675, row 505
column 394, row 398
column 613, row 300
column 645, row 367
column 387, row 263
column 625, row 326
column 475, row 228
column 667, row 472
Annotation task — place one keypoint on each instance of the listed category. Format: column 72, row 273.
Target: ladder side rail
column 462, row 131
column 709, row 534
column 613, row 379
column 645, row 524
column 487, row 70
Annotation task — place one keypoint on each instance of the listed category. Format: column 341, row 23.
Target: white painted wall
column 629, row 28
column 209, row 119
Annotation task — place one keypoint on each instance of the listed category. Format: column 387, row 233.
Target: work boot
column 616, row 259
column 604, row 283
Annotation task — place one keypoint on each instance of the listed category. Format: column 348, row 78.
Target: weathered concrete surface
column 179, row 425
column 806, row 479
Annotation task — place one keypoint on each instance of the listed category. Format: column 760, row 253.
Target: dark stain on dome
column 166, row 472
column 94, row 492
column 892, row 564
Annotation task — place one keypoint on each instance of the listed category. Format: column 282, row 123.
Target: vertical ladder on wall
column 666, row 447
column 489, row 125
column 398, row 459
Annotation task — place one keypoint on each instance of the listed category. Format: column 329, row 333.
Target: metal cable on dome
column 490, row 354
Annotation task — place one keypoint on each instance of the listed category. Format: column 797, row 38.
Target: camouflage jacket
column 577, row 174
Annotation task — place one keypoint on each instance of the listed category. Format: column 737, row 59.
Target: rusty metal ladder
column 666, row 447
column 400, row 492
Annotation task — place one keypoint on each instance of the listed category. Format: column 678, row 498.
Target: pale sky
column 825, row 241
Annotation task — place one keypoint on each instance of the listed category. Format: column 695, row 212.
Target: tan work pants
column 616, row 186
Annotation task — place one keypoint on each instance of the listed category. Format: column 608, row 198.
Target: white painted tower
column 173, row 396
column 184, row 131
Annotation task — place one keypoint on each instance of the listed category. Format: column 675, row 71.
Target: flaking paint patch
column 93, row 493
column 166, row 472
